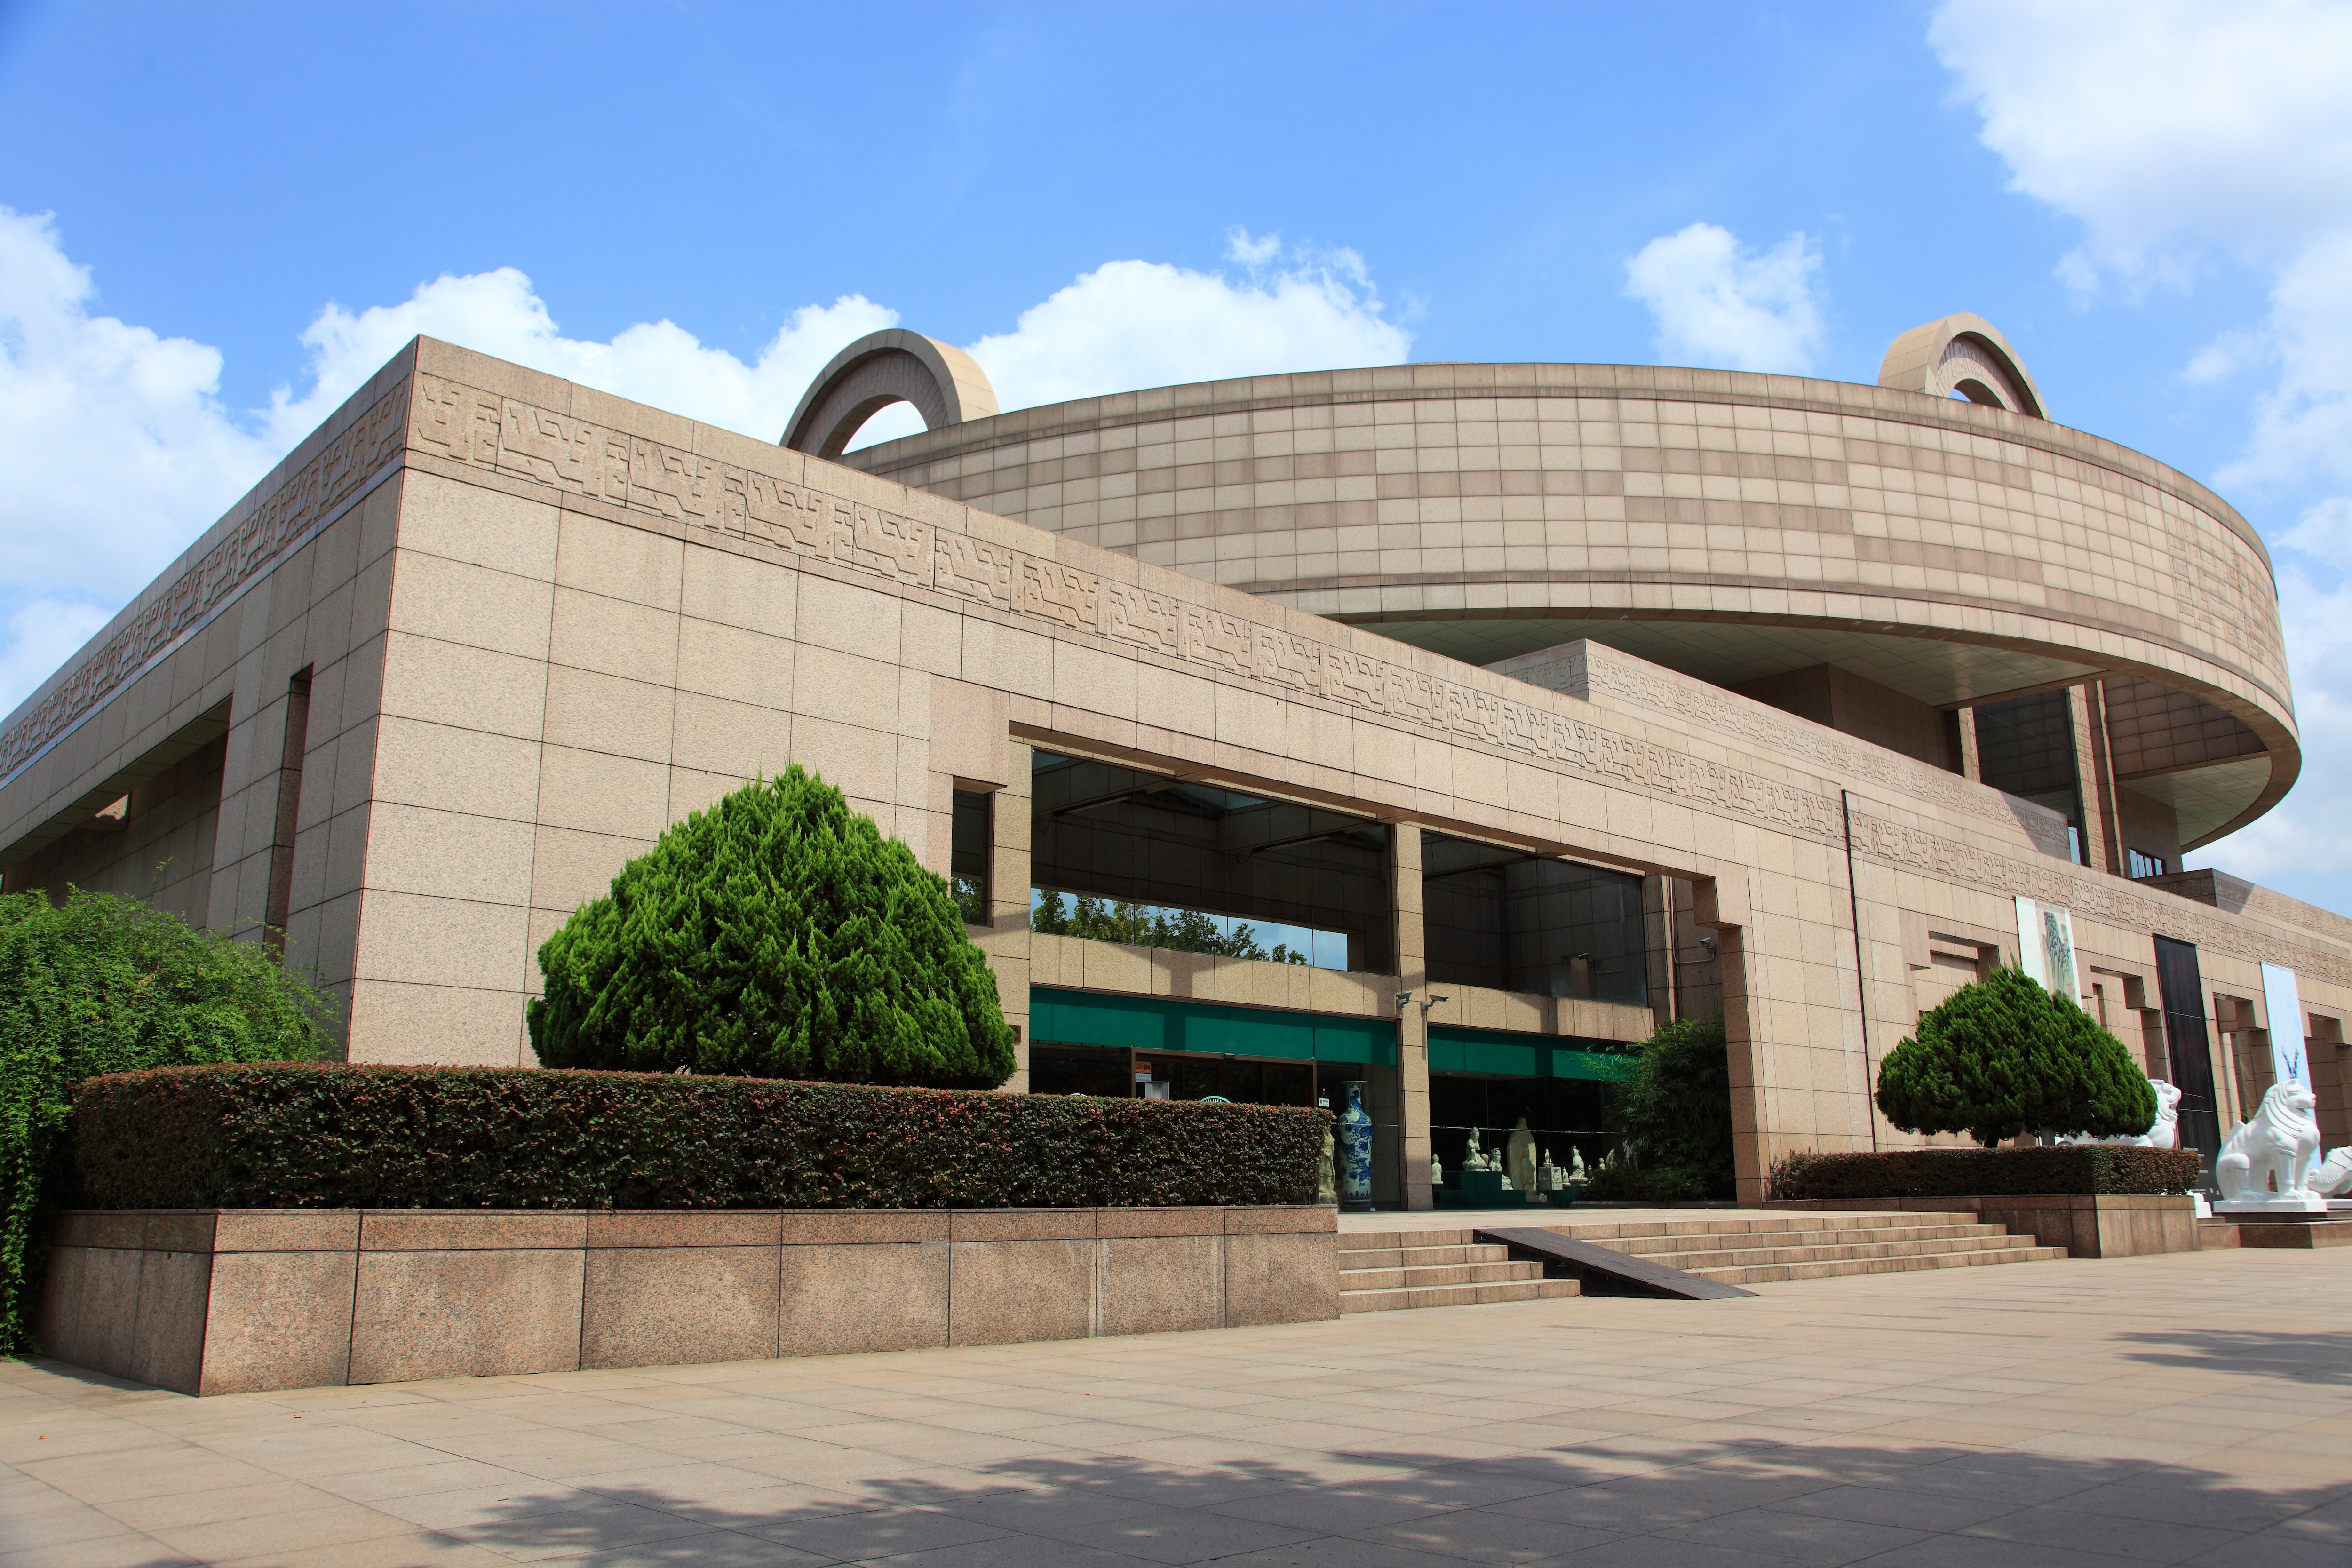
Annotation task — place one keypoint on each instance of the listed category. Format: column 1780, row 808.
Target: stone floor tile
column 1482, row 1535
column 295, row 1530
column 413, row 1549
column 128, row 1549
column 601, row 1526
column 880, row 1533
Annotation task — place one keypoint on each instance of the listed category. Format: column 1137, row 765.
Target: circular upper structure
column 1930, row 553
column 1965, row 356
column 878, row 370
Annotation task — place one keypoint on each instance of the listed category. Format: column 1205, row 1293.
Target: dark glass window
column 1516, row 922
column 2187, row 1044
column 968, row 854
column 1079, row 1070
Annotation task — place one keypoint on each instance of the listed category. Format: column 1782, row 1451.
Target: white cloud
column 659, row 363
column 1132, row 324
column 2171, row 127
column 1129, row 324
column 119, row 450
column 1722, row 307
column 114, row 438
column 2188, row 139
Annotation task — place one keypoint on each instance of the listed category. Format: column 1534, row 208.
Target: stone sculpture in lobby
column 2265, row 1163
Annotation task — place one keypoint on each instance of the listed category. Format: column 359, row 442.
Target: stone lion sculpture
column 2332, row 1177
column 2163, row 1133
column 2279, row 1145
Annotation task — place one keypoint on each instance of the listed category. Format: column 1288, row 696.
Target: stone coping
column 1972, row 1200
column 214, row 1231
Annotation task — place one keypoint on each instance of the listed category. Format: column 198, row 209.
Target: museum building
column 1462, row 722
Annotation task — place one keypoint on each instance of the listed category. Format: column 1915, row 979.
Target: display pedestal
column 2272, row 1204
column 1480, row 1190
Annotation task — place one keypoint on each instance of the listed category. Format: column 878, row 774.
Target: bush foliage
column 2003, row 1057
column 776, row 934
column 1971, row 1172
column 348, row 1137
column 106, row 985
column 1677, row 1116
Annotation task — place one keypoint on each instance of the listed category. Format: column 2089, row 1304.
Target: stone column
column 1008, row 897
column 1969, row 768
column 2095, row 778
column 1412, row 1019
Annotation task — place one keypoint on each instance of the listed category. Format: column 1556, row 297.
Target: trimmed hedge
column 1987, row 1172
column 326, row 1136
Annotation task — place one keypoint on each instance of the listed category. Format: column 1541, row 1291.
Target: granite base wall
column 229, row 1301
column 2087, row 1224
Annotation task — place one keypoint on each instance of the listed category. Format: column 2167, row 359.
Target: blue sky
column 218, row 219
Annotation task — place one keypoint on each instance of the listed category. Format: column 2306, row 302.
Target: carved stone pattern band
column 482, row 429
column 307, row 497
column 2105, row 899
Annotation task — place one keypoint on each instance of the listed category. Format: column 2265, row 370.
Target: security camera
column 1403, row 997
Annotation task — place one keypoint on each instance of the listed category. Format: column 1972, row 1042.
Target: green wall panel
column 1508, row 1055
column 1169, row 1023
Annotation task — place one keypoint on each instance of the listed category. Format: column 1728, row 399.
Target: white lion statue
column 2279, row 1145
column 2332, row 1177
column 2163, row 1133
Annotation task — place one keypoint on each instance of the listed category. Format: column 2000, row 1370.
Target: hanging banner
column 2045, row 948
column 2283, row 1002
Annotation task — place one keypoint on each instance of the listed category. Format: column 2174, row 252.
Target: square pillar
column 1412, row 1019
column 1008, row 904
column 1969, row 768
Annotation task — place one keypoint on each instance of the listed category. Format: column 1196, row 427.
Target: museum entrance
column 1514, row 1119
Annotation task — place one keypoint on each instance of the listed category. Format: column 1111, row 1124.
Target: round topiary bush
column 776, row 934
column 106, row 985
column 2003, row 1057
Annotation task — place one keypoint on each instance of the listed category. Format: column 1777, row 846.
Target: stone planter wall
column 232, row 1300
column 2087, row 1224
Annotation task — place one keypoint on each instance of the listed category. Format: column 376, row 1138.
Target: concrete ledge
column 238, row 1300
column 2087, row 1224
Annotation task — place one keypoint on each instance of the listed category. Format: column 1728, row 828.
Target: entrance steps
column 1384, row 1271
column 1387, row 1269
column 1744, row 1247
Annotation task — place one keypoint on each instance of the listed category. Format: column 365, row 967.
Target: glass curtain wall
column 1164, row 863
column 1514, row 921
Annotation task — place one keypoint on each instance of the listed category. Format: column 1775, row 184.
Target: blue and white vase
column 1355, row 1133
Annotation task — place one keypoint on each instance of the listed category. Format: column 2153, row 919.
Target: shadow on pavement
column 1595, row 1505
column 2306, row 1358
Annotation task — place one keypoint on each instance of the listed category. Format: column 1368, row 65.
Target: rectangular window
column 1125, row 856
column 2143, row 865
column 968, row 854
column 2187, row 1045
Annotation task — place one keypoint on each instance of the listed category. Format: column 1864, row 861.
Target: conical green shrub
column 2003, row 1057
column 776, row 934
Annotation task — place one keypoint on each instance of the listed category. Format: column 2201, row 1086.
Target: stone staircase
column 1384, row 1270
column 1748, row 1247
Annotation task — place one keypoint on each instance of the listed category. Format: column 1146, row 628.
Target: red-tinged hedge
column 1985, row 1173
column 326, row 1136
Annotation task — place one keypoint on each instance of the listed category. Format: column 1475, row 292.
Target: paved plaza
column 2189, row 1408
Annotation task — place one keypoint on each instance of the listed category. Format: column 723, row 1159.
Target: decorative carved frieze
column 481, row 430
column 307, row 497
column 2106, row 900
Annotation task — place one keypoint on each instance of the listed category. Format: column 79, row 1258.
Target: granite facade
column 547, row 623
